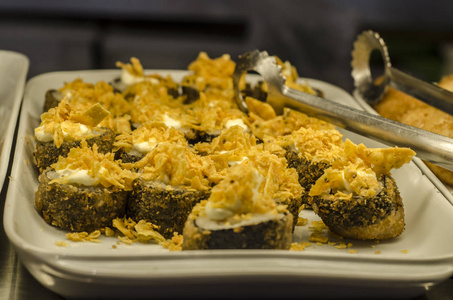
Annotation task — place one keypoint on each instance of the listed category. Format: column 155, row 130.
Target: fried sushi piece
column 377, row 217
column 357, row 197
column 163, row 205
column 63, row 128
column 84, row 191
column 237, row 216
column 235, row 146
column 172, row 180
column 47, row 153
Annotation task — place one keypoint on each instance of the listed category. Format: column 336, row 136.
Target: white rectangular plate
column 401, row 267
column 13, row 73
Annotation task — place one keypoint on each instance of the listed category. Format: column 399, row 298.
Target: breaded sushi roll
column 235, row 146
column 84, row 191
column 172, row 180
column 357, row 197
column 63, row 128
column 238, row 216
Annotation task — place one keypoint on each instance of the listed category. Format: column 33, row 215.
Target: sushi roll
column 172, row 180
column 84, row 191
column 235, row 146
column 380, row 216
column 133, row 146
column 237, row 216
column 357, row 197
column 62, row 129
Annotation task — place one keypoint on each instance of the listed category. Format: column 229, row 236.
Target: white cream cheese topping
column 145, row 147
column 77, row 176
column 170, row 122
column 238, row 122
column 128, row 79
column 44, row 136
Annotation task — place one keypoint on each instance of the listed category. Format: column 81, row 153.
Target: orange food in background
column 406, row 109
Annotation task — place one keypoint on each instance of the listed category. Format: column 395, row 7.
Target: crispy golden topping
column 285, row 124
column 280, row 182
column 84, row 236
column 176, row 165
column 290, row 72
column 134, row 68
column 315, row 145
column 64, row 123
column 147, row 136
column 215, row 73
column 238, row 194
column 261, row 109
column 101, row 168
column 357, row 172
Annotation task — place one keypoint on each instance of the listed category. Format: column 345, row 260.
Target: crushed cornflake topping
column 301, row 221
column 176, row 165
column 135, row 67
column 215, row 73
column 377, row 252
column 318, row 238
column 102, row 167
column 358, row 170
column 144, row 232
column 299, row 246
column 285, row 124
column 351, row 251
column 61, row 243
column 152, row 133
column 239, row 193
column 404, row 251
column 84, row 236
column 64, row 123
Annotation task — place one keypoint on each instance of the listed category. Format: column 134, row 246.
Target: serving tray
column 401, row 267
column 13, row 73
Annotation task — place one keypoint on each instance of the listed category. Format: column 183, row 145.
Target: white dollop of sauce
column 43, row 136
column 128, row 79
column 76, row 176
column 218, row 214
column 170, row 122
column 238, row 122
column 145, row 147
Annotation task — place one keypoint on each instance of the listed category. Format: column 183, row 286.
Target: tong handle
column 429, row 146
column 429, row 93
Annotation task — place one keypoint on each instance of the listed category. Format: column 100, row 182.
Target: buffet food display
column 179, row 158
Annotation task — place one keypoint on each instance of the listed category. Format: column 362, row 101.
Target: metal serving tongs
column 372, row 92
column 431, row 147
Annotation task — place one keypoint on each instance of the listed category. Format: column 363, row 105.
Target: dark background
column 316, row 36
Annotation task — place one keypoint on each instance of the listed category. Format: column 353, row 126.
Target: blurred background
column 315, row 36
